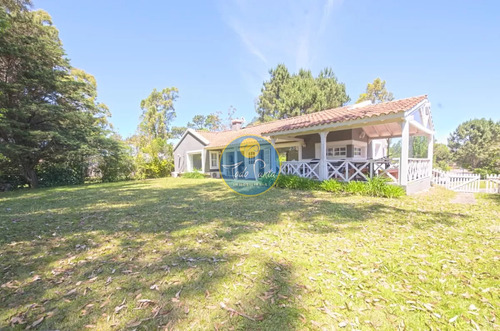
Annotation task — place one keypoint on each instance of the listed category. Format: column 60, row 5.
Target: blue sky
column 218, row 53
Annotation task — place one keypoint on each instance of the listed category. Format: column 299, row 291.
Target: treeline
column 53, row 128
column 474, row 145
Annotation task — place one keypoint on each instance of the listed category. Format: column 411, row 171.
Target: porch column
column 188, row 163
column 235, row 162
column 430, row 152
column 405, row 147
column 203, row 159
column 272, row 157
column 323, row 172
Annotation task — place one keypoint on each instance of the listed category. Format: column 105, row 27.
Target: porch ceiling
column 390, row 130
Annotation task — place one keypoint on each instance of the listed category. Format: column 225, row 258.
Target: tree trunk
column 31, row 177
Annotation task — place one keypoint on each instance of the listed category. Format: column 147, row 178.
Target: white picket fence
column 492, row 184
column 466, row 182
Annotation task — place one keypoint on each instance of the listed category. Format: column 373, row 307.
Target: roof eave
column 341, row 125
column 195, row 134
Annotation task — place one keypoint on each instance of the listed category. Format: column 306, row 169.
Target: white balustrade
column 418, row 169
column 344, row 170
column 305, row 169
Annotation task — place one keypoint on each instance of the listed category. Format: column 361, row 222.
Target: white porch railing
column 344, row 170
column 418, row 169
column 301, row 168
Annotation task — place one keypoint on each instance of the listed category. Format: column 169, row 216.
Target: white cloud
column 273, row 32
column 246, row 40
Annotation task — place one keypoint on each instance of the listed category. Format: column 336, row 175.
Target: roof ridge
column 318, row 116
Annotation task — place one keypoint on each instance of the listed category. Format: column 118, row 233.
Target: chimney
column 236, row 124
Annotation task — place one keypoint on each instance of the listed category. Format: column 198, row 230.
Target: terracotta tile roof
column 335, row 115
column 222, row 138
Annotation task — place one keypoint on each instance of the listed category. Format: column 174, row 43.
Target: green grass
column 189, row 254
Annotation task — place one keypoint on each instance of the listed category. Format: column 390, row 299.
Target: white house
column 346, row 143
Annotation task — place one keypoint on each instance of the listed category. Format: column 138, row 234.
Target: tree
column 442, row 156
column 153, row 152
column 177, row 131
column 475, row 145
column 114, row 161
column 418, row 146
column 376, row 92
column 47, row 111
column 211, row 122
column 157, row 113
column 15, row 5
column 287, row 95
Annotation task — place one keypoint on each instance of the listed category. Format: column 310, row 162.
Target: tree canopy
column 475, row 145
column 152, row 150
column 442, row 156
column 158, row 112
column 48, row 110
column 376, row 92
column 287, row 95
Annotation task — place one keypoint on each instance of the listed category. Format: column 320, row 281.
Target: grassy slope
column 86, row 256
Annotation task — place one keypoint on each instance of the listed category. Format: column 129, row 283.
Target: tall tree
column 475, row 145
column 46, row 111
column 376, row 92
column 153, row 152
column 158, row 112
column 287, row 95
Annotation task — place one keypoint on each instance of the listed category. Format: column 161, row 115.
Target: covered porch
column 358, row 150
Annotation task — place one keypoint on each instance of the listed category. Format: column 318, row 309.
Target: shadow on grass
column 493, row 197
column 58, row 234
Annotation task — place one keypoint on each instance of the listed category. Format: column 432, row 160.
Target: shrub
column 194, row 174
column 392, row 191
column 297, row 183
column 357, row 188
column 268, row 179
column 332, row 185
column 375, row 186
column 157, row 168
column 11, row 182
column 50, row 175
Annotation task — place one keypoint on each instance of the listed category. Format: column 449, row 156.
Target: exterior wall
column 308, row 152
column 418, row 186
column 207, row 161
column 188, row 144
column 377, row 148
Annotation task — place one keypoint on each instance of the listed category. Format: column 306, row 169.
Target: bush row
column 377, row 186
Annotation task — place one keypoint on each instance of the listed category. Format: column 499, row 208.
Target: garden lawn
column 189, row 254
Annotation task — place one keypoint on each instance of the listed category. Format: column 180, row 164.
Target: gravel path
column 464, row 198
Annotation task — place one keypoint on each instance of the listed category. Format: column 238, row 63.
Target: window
column 329, row 151
column 340, row 151
column 214, row 160
column 267, row 156
column 357, row 151
column 251, row 157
